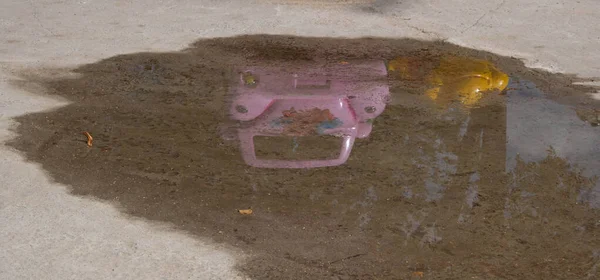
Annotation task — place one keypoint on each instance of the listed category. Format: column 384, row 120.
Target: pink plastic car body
column 344, row 99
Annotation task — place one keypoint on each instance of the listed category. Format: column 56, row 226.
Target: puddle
column 295, row 148
column 451, row 168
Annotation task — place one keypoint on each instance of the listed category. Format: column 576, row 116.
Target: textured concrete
column 48, row 234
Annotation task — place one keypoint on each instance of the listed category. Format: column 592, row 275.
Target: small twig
column 528, row 175
column 89, row 138
column 463, row 173
column 347, row 258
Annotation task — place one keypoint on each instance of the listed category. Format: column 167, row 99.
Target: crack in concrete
column 426, row 32
column 482, row 16
column 35, row 15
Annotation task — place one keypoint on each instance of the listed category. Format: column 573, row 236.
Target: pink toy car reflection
column 303, row 100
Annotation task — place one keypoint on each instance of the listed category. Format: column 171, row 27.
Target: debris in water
column 245, row 211
column 295, row 142
column 89, row 138
column 250, row 79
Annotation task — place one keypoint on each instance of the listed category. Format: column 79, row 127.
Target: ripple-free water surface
column 463, row 164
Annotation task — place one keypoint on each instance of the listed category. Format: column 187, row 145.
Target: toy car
column 304, row 99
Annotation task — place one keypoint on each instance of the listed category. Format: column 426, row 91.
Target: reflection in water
column 344, row 98
column 446, row 188
column 538, row 127
column 591, row 116
column 296, row 99
column 320, row 147
column 451, row 78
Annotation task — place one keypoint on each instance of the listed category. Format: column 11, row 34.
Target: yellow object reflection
column 451, row 78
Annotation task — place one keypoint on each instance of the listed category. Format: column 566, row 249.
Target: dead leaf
column 89, row 138
column 245, row 211
column 419, row 274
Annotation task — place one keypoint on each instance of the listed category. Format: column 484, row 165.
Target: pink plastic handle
column 249, row 154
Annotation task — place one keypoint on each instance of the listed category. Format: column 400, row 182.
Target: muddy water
column 443, row 187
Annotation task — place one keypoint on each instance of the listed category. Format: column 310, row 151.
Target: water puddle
column 360, row 158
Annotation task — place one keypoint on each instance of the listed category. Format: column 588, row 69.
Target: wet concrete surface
column 435, row 191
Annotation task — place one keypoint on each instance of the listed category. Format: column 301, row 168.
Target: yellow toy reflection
column 451, row 78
